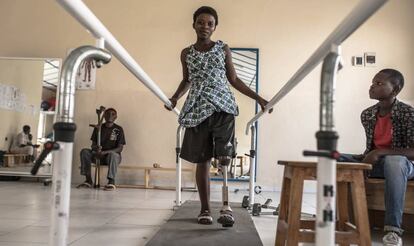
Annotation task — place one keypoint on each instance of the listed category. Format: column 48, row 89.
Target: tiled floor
column 122, row 217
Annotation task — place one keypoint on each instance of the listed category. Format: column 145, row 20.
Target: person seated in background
column 22, row 144
column 109, row 151
column 389, row 129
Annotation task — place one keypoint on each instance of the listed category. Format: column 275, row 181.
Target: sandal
column 84, row 185
column 226, row 218
column 110, row 187
column 204, row 218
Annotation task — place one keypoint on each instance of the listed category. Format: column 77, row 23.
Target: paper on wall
column 86, row 75
column 12, row 98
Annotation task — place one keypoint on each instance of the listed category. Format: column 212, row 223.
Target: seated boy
column 109, row 152
column 389, row 129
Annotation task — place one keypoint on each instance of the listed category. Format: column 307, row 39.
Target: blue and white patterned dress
column 210, row 91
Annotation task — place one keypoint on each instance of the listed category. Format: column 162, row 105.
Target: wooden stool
column 290, row 226
column 234, row 165
column 242, row 160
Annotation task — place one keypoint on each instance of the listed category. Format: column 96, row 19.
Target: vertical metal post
column 225, row 188
column 327, row 141
column 178, row 166
column 61, row 179
column 64, row 128
column 252, row 164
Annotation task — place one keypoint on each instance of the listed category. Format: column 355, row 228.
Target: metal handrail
column 85, row 17
column 352, row 22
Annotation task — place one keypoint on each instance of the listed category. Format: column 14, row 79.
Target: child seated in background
column 22, row 144
column 389, row 129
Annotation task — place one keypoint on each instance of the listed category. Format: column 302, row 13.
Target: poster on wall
column 12, row 98
column 20, row 101
column 9, row 97
column 86, row 75
column 2, row 96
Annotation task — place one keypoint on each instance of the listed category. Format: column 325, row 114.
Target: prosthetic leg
column 226, row 218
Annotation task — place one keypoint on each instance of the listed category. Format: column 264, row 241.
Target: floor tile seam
column 96, row 229
column 19, row 230
column 116, row 216
column 86, row 234
column 37, row 243
column 10, row 218
column 22, row 228
column 154, row 209
column 135, row 225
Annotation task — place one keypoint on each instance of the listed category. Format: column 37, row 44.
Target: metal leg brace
column 226, row 218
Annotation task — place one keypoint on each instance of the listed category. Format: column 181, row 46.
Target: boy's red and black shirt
column 402, row 118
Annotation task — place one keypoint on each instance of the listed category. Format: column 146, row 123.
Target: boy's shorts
column 211, row 138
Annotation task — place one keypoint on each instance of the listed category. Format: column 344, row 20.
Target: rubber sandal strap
column 84, row 185
column 110, row 187
column 205, row 218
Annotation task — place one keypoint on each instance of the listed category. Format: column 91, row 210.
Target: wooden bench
column 147, row 176
column 11, row 159
column 376, row 208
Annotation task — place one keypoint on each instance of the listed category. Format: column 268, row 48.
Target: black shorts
column 212, row 138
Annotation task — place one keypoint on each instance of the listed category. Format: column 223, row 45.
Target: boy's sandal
column 84, row 185
column 204, row 218
column 110, row 187
column 226, row 218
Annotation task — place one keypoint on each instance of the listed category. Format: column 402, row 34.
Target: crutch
column 100, row 113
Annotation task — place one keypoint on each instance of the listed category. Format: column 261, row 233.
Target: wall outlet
column 358, row 61
column 370, row 59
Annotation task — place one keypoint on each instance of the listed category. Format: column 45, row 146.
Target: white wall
column 27, row 76
column 154, row 32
